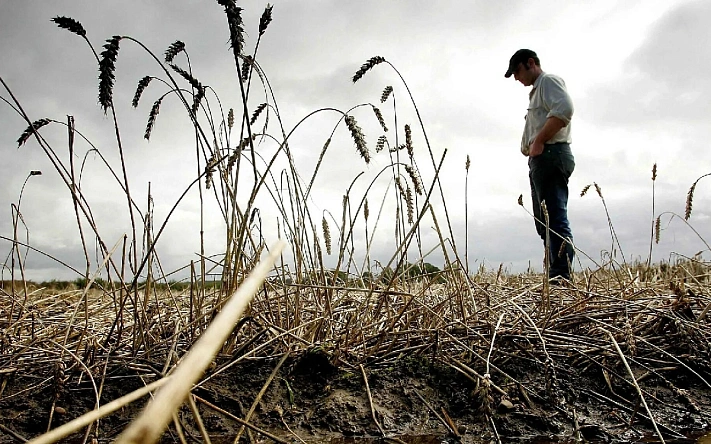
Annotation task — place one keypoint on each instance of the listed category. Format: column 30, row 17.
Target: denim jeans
column 549, row 174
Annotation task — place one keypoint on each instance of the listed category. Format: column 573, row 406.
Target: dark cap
column 520, row 56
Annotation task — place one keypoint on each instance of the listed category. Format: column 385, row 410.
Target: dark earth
column 416, row 399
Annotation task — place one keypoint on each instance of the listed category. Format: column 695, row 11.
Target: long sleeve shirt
column 548, row 98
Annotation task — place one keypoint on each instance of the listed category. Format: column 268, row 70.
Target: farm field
column 405, row 364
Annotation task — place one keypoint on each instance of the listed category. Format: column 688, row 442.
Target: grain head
column 416, row 182
column 367, row 66
column 173, row 50
column 142, row 84
column 379, row 116
column 358, row 138
column 37, row 124
column 386, row 93
column 266, row 19
column 107, row 66
column 71, row 25
column 256, row 113
column 408, row 141
column 155, row 109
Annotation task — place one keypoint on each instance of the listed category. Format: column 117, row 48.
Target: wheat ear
column 37, row 124
column 71, row 25
column 689, row 201
column 107, row 66
column 381, row 143
column 266, row 19
column 142, row 84
column 155, row 109
column 367, row 66
column 326, row 235
column 234, row 22
column 408, row 141
column 386, row 93
column 173, row 50
column 379, row 116
column 415, row 179
column 230, row 118
column 256, row 113
column 585, row 190
column 358, row 138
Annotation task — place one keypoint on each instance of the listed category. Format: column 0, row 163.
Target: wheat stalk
column 148, row 427
column 651, row 238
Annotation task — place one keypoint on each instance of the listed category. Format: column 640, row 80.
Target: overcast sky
column 637, row 72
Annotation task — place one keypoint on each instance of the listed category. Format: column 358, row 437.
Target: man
column 546, row 141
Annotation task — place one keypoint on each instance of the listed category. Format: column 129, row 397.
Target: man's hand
column 535, row 149
column 550, row 128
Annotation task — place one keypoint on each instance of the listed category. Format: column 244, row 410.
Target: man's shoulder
column 548, row 77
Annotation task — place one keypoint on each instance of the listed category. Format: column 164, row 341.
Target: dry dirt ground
column 416, row 399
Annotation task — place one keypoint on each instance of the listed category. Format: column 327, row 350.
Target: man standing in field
column 546, row 141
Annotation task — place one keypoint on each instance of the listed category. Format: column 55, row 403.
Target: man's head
column 525, row 66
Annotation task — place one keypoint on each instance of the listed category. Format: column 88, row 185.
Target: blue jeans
column 549, row 174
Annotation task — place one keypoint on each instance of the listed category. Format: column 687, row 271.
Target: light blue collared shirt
column 548, row 98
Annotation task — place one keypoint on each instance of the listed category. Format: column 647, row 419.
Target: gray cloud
column 665, row 78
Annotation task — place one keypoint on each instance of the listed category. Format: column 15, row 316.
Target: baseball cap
column 520, row 56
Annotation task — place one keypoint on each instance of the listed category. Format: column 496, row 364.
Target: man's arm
column 560, row 111
column 550, row 128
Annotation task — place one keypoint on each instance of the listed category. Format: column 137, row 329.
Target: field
column 608, row 362
column 264, row 342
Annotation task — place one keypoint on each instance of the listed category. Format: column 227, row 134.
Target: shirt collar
column 538, row 80
column 536, row 83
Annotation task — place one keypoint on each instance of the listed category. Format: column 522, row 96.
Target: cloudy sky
column 637, row 72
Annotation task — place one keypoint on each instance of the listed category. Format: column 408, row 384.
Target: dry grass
column 658, row 330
